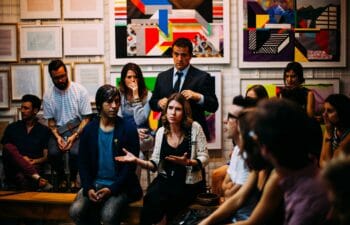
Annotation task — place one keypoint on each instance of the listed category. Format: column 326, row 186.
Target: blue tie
column 178, row 81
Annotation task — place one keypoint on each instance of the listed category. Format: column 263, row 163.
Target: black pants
column 165, row 197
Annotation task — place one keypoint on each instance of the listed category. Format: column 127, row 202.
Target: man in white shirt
column 67, row 109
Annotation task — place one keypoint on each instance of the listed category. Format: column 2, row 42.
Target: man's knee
column 78, row 207
column 110, row 216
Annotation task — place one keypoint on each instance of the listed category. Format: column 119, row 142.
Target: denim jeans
column 56, row 157
column 109, row 212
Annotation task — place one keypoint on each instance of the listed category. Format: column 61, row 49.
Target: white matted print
column 81, row 9
column 8, row 43
column 40, row 9
column 25, row 79
column 47, row 81
column 5, row 90
column 91, row 76
column 83, row 39
column 41, row 41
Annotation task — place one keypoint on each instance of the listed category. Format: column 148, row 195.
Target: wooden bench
column 48, row 206
column 36, row 205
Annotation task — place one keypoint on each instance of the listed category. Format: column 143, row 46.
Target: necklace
column 175, row 140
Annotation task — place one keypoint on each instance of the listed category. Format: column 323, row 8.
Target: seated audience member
column 254, row 94
column 25, row 148
column 179, row 156
column 67, row 108
column 257, row 92
column 288, row 150
column 269, row 209
column 336, row 117
column 134, row 102
column 107, row 185
column 134, row 106
column 220, row 177
column 335, row 175
column 293, row 77
column 240, row 205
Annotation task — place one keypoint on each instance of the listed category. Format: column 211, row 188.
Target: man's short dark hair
column 183, row 42
column 104, row 94
column 56, row 64
column 36, row 102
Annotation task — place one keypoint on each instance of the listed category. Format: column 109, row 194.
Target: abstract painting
column 280, row 31
column 143, row 30
column 320, row 87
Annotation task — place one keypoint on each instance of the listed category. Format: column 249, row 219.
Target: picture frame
column 83, row 9
column 5, row 89
column 47, row 81
column 143, row 33
column 38, row 9
column 41, row 41
column 320, row 87
column 214, row 120
column 83, row 39
column 8, row 42
column 91, row 76
column 25, row 79
column 310, row 32
column 5, row 120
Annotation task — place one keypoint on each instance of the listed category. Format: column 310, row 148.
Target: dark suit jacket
column 124, row 137
column 197, row 81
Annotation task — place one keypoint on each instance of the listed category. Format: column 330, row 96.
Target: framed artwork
column 91, row 76
column 143, row 31
column 41, row 41
column 4, row 122
column 5, row 89
column 82, row 9
column 83, row 39
column 310, row 32
column 40, row 9
column 25, row 79
column 8, row 42
column 320, row 87
column 47, row 81
column 214, row 120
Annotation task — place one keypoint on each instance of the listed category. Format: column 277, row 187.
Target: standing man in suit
column 193, row 83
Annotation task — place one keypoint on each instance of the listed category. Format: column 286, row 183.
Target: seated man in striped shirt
column 67, row 108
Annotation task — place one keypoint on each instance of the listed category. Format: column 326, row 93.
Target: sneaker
column 44, row 185
column 74, row 186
